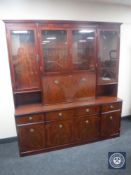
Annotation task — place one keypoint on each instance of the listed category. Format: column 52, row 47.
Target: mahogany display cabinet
column 64, row 80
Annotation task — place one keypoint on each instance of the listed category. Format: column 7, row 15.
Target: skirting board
column 12, row 139
column 8, row 140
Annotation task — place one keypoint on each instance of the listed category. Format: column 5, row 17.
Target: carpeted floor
column 90, row 159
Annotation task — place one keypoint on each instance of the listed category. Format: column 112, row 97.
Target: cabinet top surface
column 39, row 108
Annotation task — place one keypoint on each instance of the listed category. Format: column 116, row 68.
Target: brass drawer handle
column 32, row 130
column 111, row 106
column 56, row 81
column 83, row 79
column 30, row 118
column 110, row 117
column 87, row 121
column 87, row 110
column 60, row 126
column 60, row 114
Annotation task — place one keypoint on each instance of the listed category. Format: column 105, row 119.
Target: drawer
column 111, row 107
column 59, row 115
column 88, row 110
column 30, row 119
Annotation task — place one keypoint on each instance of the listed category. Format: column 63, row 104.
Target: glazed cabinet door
column 31, row 137
column 24, row 61
column 84, row 48
column 110, row 124
column 54, row 50
column 108, row 56
column 58, row 133
column 87, row 128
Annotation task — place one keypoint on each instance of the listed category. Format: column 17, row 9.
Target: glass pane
column 54, row 45
column 23, row 58
column 108, row 56
column 83, row 49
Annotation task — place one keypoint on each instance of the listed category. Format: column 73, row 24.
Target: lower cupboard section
column 49, row 135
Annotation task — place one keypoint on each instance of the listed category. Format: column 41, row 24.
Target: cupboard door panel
column 83, row 85
column 58, row 133
column 110, row 124
column 23, row 52
column 31, row 137
column 55, row 89
column 87, row 128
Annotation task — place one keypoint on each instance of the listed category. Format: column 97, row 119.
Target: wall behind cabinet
column 63, row 10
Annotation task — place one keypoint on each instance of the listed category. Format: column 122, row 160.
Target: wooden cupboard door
column 55, row 89
column 87, row 128
column 31, row 137
column 58, row 133
column 110, row 124
column 83, row 85
column 24, row 57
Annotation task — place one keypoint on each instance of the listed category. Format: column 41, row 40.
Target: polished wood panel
column 87, row 128
column 83, row 85
column 58, row 133
column 31, row 137
column 67, row 88
column 110, row 124
column 54, row 89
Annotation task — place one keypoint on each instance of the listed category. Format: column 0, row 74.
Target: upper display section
column 44, row 50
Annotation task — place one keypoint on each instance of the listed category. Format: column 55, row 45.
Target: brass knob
column 87, row 121
column 30, row 118
column 111, row 106
column 110, row 117
column 32, row 130
column 83, row 79
column 60, row 114
column 60, row 126
column 87, row 110
column 56, row 81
